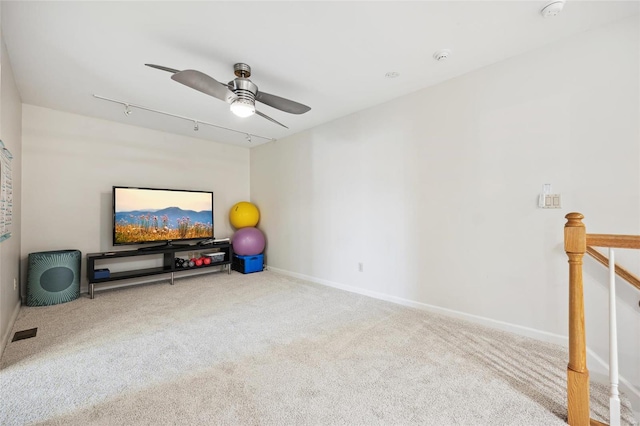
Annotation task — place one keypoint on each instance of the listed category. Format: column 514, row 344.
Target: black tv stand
column 166, row 255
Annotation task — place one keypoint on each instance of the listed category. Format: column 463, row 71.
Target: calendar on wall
column 6, row 193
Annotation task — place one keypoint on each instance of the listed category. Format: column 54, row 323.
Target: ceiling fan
column 241, row 93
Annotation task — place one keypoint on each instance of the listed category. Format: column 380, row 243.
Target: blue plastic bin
column 247, row 264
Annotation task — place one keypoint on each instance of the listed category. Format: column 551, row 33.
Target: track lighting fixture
column 196, row 123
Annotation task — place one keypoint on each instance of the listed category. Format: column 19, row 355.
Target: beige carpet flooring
column 266, row 349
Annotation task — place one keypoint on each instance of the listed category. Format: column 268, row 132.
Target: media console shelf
column 163, row 258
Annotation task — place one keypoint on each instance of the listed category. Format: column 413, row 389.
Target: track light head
column 127, row 110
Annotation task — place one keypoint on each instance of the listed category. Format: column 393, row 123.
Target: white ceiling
column 330, row 55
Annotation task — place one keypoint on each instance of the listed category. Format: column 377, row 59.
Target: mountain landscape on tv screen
column 171, row 223
column 173, row 214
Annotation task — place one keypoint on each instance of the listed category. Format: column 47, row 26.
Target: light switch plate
column 550, row 201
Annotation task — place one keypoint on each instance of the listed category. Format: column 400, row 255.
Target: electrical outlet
column 15, row 284
column 360, row 267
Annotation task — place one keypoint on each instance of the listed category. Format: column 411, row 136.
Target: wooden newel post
column 575, row 245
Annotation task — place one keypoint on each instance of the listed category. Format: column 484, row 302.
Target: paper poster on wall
column 6, row 193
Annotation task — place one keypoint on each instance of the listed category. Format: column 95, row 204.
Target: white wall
column 436, row 192
column 11, row 135
column 71, row 163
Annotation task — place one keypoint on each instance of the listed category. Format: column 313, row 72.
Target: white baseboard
column 592, row 358
column 500, row 325
column 7, row 333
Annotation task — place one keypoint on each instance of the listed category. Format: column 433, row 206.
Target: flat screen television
column 149, row 215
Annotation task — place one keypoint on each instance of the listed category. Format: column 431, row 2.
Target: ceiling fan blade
column 160, row 67
column 205, row 84
column 282, row 104
column 270, row 119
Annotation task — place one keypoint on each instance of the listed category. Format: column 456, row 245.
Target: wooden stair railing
column 620, row 271
column 576, row 243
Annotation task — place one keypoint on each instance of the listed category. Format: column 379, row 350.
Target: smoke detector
column 552, row 9
column 441, row 54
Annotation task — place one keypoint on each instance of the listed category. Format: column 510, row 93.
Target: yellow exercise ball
column 243, row 215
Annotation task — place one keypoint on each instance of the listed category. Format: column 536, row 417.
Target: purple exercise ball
column 248, row 241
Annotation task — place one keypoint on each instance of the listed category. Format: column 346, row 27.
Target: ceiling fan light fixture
column 243, row 107
column 240, row 93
